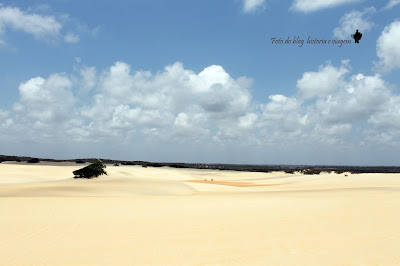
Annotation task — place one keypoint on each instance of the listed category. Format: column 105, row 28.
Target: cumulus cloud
column 178, row 105
column 391, row 4
column 332, row 134
column 307, row 6
column 283, row 114
column 3, row 114
column 326, row 80
column 389, row 117
column 248, row 121
column 176, row 97
column 250, row 6
column 359, row 99
column 88, row 78
column 340, row 100
column 189, row 127
column 5, row 121
column 46, row 100
column 352, row 21
column 344, row 102
column 388, row 49
column 212, row 90
column 332, row 130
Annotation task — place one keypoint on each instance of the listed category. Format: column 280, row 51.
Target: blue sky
column 201, row 81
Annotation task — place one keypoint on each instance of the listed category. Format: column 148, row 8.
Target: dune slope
column 156, row 217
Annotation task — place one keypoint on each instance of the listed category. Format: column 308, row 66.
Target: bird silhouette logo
column 357, row 36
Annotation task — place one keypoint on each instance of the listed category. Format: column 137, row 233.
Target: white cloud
column 333, row 134
column 5, row 121
column 361, row 99
column 323, row 82
column 89, row 78
column 248, row 121
column 71, row 37
column 250, row 6
column 388, row 48
column 176, row 98
column 391, row 4
column 39, row 26
column 212, row 90
column 209, row 108
column 352, row 21
column 3, row 114
column 189, row 127
column 46, row 100
column 389, row 117
column 332, row 130
column 315, row 5
column 283, row 113
column 358, row 100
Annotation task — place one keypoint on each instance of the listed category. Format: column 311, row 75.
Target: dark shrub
column 289, row 171
column 93, row 170
column 116, row 164
column 311, row 171
column 34, row 160
column 79, row 161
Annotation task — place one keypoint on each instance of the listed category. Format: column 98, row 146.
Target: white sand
column 155, row 216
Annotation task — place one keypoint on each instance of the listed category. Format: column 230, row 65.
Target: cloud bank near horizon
column 177, row 105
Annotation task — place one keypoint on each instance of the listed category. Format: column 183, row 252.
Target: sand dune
column 231, row 183
column 159, row 216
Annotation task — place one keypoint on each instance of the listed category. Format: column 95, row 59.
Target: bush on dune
column 290, row 171
column 93, row 170
column 311, row 171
